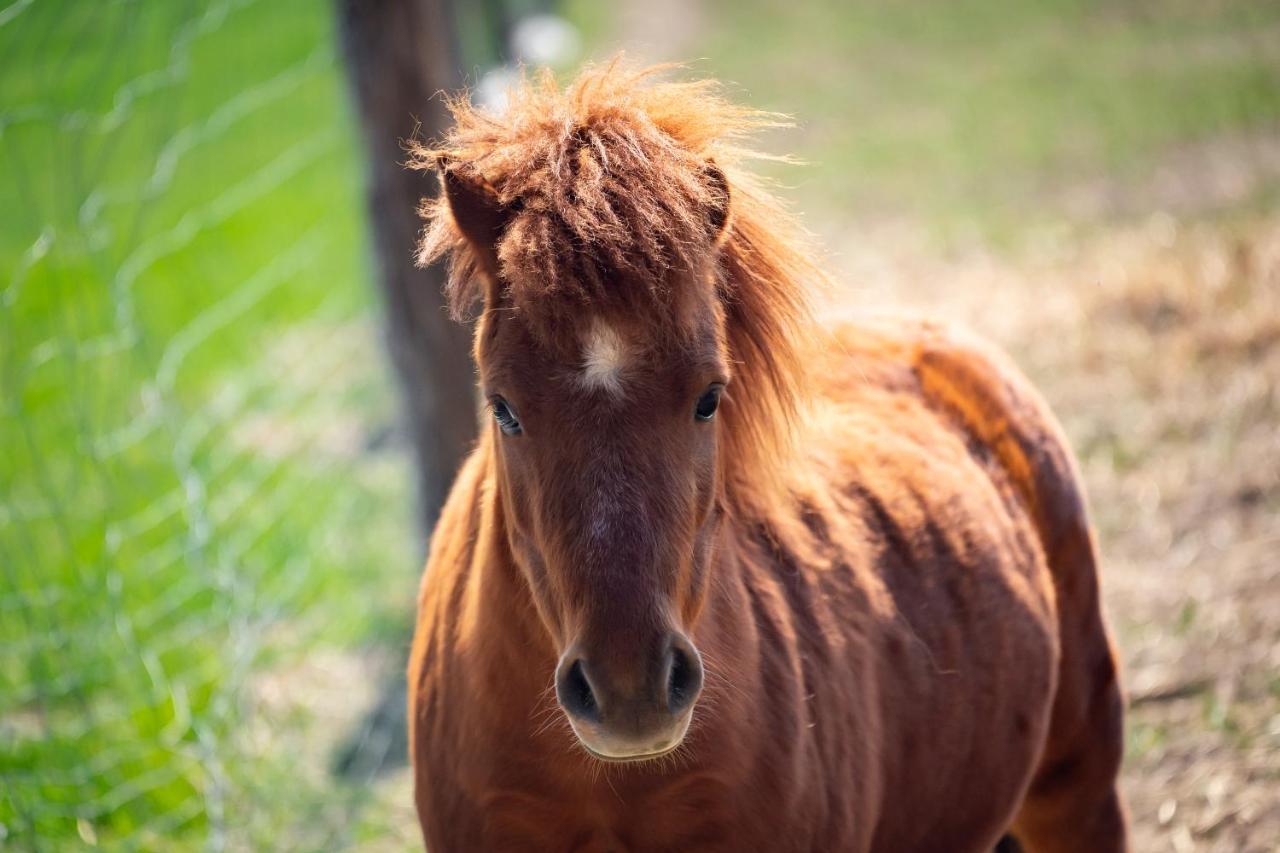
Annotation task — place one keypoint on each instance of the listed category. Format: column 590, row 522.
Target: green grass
column 981, row 113
column 188, row 368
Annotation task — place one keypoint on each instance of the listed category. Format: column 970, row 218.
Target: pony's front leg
column 1074, row 802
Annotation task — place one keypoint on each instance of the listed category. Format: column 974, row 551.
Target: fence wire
column 196, row 485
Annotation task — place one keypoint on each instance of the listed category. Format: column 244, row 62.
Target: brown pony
column 713, row 579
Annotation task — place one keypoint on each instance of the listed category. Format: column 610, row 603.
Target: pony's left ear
column 718, row 213
column 476, row 210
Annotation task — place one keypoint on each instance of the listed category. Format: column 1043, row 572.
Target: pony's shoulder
column 968, row 386
column 949, row 367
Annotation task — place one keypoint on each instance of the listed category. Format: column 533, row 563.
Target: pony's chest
column 591, row 821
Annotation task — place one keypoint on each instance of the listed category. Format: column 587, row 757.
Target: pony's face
column 607, row 464
column 606, row 441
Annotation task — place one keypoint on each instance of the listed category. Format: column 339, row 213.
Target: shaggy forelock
column 609, row 184
column 614, row 197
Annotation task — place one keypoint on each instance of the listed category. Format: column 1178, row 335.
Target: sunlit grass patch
column 189, row 378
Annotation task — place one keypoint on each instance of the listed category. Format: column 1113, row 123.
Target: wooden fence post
column 399, row 55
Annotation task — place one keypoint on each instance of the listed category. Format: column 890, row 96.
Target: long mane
column 609, row 188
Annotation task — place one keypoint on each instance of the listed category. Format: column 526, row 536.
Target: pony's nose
column 574, row 691
column 629, row 705
column 683, row 677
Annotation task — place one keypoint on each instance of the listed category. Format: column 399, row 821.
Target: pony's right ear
column 475, row 209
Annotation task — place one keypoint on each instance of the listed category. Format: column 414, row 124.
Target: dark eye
column 507, row 421
column 708, row 403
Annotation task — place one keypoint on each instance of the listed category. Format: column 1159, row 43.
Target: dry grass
column 1159, row 348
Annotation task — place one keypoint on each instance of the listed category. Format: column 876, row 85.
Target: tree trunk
column 399, row 55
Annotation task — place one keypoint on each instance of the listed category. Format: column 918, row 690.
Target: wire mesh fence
column 198, row 480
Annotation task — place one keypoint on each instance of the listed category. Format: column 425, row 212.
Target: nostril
column 684, row 679
column 574, row 692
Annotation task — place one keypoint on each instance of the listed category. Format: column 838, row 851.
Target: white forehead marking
column 604, row 355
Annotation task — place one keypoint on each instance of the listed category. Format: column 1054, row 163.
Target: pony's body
column 903, row 643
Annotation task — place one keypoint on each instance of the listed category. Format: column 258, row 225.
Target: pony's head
column 637, row 349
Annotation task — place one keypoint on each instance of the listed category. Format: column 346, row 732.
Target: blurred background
column 230, row 407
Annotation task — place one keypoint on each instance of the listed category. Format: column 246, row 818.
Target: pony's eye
column 507, row 420
column 708, row 403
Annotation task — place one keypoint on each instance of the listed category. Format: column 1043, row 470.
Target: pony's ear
column 718, row 212
column 475, row 209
